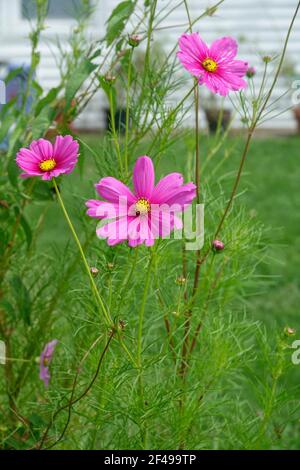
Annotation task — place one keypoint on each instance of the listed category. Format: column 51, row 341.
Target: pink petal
column 190, row 64
column 193, row 46
column 65, row 149
column 43, row 148
column 103, row 209
column 182, row 196
column 28, row 155
column 164, row 186
column 163, row 223
column 143, row 177
column 238, row 67
column 216, row 84
column 223, row 49
column 112, row 189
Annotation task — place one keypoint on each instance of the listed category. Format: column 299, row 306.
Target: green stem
column 141, row 314
column 113, row 128
column 139, row 347
column 86, row 265
column 127, row 111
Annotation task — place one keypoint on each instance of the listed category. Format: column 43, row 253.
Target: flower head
column 150, row 212
column 47, row 160
column 214, row 66
column 251, row 71
column 45, row 360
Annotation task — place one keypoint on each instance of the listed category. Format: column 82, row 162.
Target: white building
column 260, row 27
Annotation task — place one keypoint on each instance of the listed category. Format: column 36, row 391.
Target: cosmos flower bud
column 94, row 271
column 134, row 40
column 180, row 281
column 217, row 245
column 109, row 78
column 267, row 59
column 122, row 324
column 288, row 331
column 251, row 72
column 110, row 266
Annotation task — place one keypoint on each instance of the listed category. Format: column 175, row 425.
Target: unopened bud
column 94, row 271
column 134, row 40
column 110, row 266
column 122, row 324
column 217, row 245
column 251, row 72
column 267, row 59
column 288, row 331
column 180, row 281
column 211, row 10
column 109, row 78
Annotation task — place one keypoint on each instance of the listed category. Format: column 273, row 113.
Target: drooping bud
column 217, row 245
column 134, row 40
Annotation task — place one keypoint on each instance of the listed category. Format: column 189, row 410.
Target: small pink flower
column 142, row 216
column 214, row 66
column 45, row 360
column 47, row 160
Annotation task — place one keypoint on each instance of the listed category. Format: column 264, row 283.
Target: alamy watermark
column 142, row 221
column 2, row 92
column 2, row 352
column 296, row 354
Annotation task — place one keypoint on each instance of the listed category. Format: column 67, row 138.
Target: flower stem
column 127, row 111
column 141, row 313
column 113, row 128
column 139, row 347
column 86, row 265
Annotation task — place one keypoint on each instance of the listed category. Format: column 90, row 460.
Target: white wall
column 259, row 26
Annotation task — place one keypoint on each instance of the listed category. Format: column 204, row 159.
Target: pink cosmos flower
column 215, row 66
column 47, row 160
column 150, row 212
column 45, row 360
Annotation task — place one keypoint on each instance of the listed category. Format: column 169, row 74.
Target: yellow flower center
column 210, row 65
column 48, row 165
column 142, row 207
